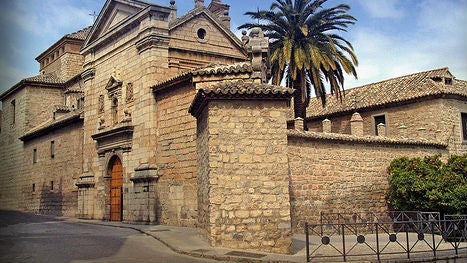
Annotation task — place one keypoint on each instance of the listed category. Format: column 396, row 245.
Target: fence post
column 307, row 243
column 343, row 242
column 377, row 241
column 407, row 239
column 433, row 238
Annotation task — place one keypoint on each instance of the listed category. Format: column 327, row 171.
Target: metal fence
column 379, row 240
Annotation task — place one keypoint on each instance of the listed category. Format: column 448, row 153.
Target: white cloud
column 437, row 37
column 49, row 18
column 383, row 8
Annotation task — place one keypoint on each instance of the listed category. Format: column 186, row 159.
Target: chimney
column 356, row 124
column 381, row 127
column 298, row 123
column 327, row 125
column 173, row 11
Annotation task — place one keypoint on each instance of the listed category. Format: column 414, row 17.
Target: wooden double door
column 116, row 194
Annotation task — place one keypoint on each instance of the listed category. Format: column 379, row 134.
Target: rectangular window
column 33, row 188
column 51, row 185
column 377, row 120
column 464, row 125
column 13, row 111
column 34, row 155
column 52, row 149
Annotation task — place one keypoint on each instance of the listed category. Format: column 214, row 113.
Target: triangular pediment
column 115, row 15
column 203, row 18
column 113, row 83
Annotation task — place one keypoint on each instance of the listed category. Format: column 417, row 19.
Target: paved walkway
column 187, row 241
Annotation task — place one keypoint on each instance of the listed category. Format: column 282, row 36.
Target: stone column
column 243, row 184
column 356, row 124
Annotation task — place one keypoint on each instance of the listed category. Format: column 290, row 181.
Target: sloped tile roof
column 363, row 139
column 45, row 79
column 239, row 89
column 208, row 70
column 396, row 90
column 80, row 34
column 50, row 125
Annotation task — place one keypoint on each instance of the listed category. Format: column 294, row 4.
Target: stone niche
column 243, row 183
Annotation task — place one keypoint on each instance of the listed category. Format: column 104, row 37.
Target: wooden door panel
column 116, row 185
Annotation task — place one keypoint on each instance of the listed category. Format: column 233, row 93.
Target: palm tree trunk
column 300, row 95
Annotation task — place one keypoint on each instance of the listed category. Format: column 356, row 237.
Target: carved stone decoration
column 114, row 87
column 101, row 123
column 127, row 117
column 118, row 138
column 129, row 92
column 101, row 104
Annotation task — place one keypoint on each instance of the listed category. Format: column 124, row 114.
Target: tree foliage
column 428, row 184
column 306, row 47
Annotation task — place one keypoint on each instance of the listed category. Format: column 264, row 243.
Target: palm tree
column 305, row 47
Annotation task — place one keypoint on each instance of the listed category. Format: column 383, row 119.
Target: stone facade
column 119, row 112
column 430, row 111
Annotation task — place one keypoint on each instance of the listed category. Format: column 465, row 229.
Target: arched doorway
column 116, row 185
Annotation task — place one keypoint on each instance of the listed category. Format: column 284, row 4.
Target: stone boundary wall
column 336, row 173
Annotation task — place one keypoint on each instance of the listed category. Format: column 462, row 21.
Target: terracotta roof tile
column 45, row 78
column 80, row 35
column 208, row 70
column 238, row 90
column 364, row 139
column 395, row 90
column 241, row 88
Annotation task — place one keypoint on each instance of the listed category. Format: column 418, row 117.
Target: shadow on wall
column 51, row 199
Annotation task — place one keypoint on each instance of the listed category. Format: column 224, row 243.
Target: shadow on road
column 8, row 217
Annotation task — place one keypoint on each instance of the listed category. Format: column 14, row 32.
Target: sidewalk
column 186, row 241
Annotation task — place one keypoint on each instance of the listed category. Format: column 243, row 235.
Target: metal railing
column 386, row 240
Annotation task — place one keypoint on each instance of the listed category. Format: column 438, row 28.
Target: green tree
column 428, row 184
column 305, row 47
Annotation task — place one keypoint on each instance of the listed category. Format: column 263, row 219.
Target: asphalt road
column 32, row 238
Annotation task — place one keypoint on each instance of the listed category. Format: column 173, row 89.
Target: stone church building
column 148, row 116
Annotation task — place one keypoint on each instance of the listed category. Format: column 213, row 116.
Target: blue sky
column 391, row 37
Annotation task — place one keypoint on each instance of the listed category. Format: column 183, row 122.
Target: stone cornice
column 117, row 138
column 151, row 41
column 88, row 74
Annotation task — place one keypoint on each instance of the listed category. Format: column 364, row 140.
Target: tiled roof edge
column 363, row 139
column 62, row 122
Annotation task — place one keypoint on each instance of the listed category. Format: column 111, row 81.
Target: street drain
column 245, row 254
